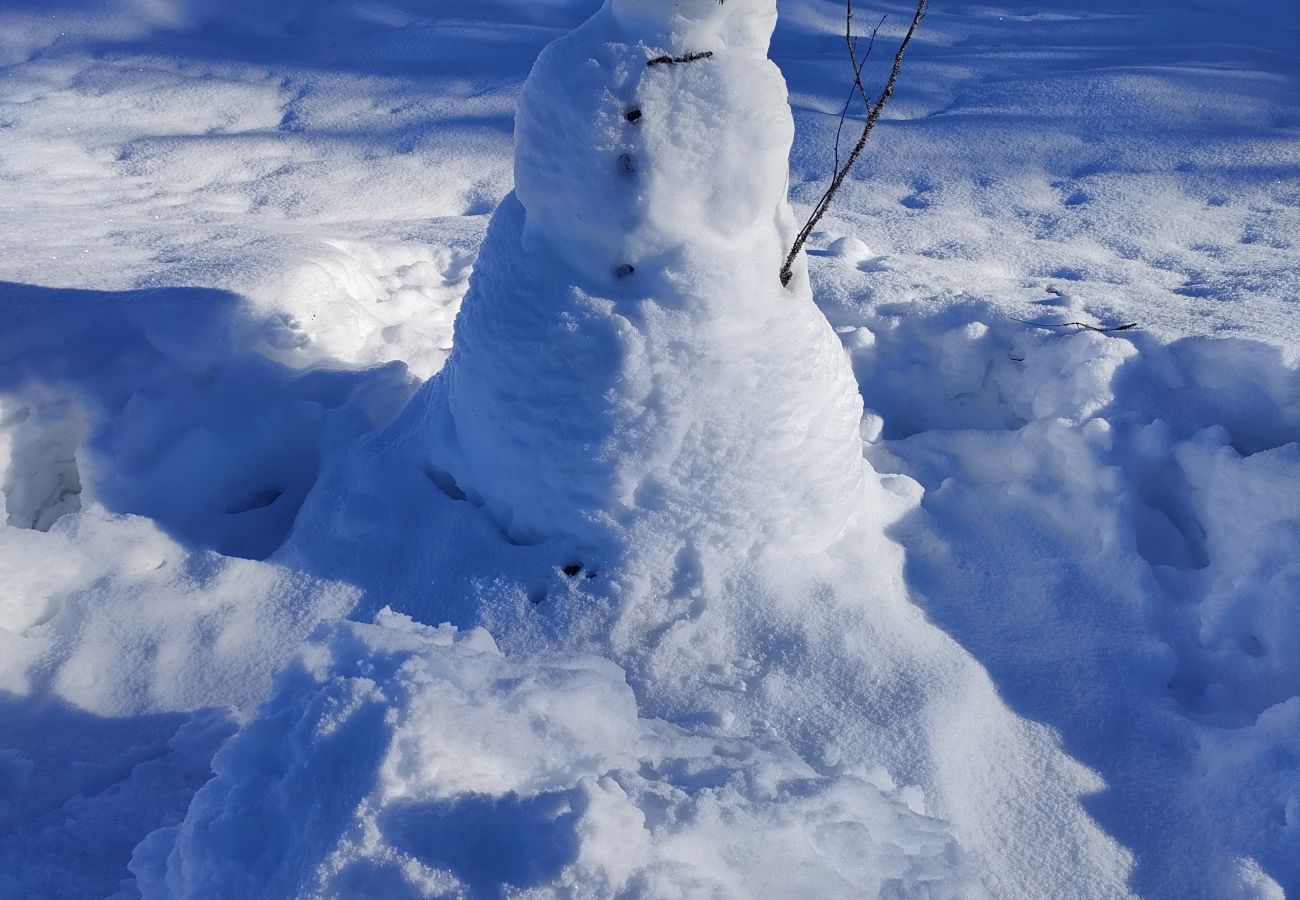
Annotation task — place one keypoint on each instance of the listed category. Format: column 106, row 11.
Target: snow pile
column 1131, row 538
column 126, row 643
column 165, row 404
column 1251, row 509
column 397, row 758
column 123, row 659
column 367, row 304
column 118, row 620
column 667, row 441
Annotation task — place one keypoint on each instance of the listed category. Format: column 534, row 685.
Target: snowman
column 627, row 359
column 634, row 394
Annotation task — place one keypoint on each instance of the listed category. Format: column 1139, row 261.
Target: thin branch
column 873, row 115
column 853, row 47
column 1098, row 328
column 857, row 65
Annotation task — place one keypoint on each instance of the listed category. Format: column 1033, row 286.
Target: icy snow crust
column 1105, row 524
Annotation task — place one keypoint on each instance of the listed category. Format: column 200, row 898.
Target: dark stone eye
column 633, row 115
column 624, row 270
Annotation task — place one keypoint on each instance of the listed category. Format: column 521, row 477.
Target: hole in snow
column 1252, row 646
column 633, row 115
column 42, row 480
column 446, row 483
column 688, row 573
column 486, row 840
column 1168, row 532
column 259, row 500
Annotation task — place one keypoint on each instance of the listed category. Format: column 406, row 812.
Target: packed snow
column 417, row 481
column 533, row 772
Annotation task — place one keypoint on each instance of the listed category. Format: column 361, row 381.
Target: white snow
column 406, row 760
column 619, row 331
column 862, row 587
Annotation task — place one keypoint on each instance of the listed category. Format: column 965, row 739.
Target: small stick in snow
column 1101, row 329
column 873, row 114
column 858, row 87
column 674, row 60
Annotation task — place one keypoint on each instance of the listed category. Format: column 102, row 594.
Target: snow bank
column 399, row 758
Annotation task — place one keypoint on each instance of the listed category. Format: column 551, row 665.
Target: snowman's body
column 627, row 352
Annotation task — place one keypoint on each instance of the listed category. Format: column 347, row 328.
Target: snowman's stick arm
column 873, row 115
column 858, row 88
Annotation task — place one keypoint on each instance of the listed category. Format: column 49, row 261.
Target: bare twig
column 1101, row 329
column 873, row 114
column 857, row 87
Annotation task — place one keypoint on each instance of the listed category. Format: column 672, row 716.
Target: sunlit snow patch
column 399, row 759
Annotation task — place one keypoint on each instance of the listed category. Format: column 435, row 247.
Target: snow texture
column 620, row 324
column 411, row 761
column 868, row 586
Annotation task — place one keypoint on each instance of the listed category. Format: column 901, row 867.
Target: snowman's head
column 689, row 26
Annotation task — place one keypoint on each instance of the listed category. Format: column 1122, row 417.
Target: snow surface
column 1042, row 649
column 482, row 770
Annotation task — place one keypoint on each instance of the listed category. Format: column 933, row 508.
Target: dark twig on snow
column 1101, row 329
column 873, row 114
column 674, row 60
column 857, row 65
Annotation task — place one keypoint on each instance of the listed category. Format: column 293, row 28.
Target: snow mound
column 667, row 444
column 366, row 303
column 424, row 761
column 125, row 660
column 113, row 617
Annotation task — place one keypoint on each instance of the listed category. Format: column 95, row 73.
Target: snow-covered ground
column 1052, row 655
